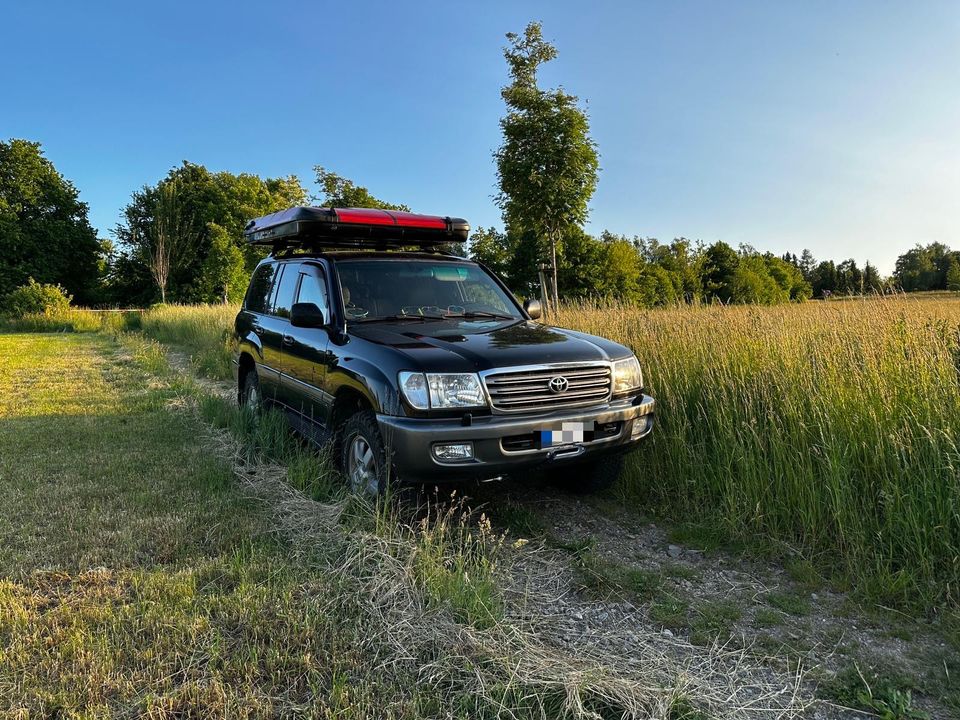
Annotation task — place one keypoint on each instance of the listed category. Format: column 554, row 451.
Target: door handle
column 288, row 339
column 257, row 329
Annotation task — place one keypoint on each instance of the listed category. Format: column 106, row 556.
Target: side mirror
column 532, row 308
column 306, row 315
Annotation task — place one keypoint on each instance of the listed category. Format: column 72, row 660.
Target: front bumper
column 410, row 441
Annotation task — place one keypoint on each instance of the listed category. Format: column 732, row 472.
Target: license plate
column 569, row 433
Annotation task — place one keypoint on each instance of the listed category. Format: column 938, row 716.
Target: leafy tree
column 849, row 278
column 338, row 191
column 224, row 272
column 44, row 229
column 923, row 267
column 953, row 275
column 193, row 200
column 719, row 271
column 824, row 279
column 583, row 267
column 547, row 164
column 872, row 282
column 656, row 286
column 682, row 259
column 788, row 277
column 490, row 247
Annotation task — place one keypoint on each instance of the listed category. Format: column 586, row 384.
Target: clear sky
column 833, row 126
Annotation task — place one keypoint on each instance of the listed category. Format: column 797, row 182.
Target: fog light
column 453, row 451
column 640, row 426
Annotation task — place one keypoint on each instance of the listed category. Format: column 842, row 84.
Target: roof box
column 354, row 227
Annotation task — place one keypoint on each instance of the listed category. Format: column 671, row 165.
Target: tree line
column 181, row 239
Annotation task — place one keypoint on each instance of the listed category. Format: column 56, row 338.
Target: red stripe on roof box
column 405, row 219
column 364, row 216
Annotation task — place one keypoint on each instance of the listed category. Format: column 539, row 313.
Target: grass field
column 828, row 429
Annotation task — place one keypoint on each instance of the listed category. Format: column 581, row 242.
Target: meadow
column 828, row 431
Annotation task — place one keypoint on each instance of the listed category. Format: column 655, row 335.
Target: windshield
column 405, row 289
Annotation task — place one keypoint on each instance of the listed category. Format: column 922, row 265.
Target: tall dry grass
column 202, row 331
column 831, row 427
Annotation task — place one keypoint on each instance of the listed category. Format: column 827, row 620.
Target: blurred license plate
column 568, row 433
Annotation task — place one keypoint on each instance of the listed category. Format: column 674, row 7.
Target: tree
column 547, row 164
column 224, row 270
column 490, row 247
column 719, row 270
column 923, row 267
column 872, row 283
column 788, row 277
column 172, row 236
column 338, row 191
column 806, row 264
column 45, row 233
column 953, row 275
column 203, row 200
column 824, row 279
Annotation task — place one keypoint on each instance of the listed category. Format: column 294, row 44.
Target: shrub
column 36, row 297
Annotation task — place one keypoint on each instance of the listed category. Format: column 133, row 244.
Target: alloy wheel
column 362, row 467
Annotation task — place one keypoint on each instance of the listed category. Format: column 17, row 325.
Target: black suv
column 422, row 366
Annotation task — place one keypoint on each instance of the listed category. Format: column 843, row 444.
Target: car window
column 285, row 291
column 313, row 290
column 380, row 288
column 258, row 294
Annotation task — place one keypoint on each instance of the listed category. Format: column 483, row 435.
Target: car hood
column 463, row 347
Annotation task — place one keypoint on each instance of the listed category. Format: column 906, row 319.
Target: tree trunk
column 553, row 265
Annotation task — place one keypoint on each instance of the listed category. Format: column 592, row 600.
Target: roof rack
column 316, row 227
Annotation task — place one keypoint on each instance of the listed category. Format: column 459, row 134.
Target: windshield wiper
column 473, row 314
column 399, row 318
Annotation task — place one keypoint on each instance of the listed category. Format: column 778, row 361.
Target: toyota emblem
column 559, row 384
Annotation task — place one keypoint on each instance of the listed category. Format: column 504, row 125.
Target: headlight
column 414, row 388
column 627, row 375
column 442, row 390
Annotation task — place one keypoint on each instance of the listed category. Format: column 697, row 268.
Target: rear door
column 306, row 355
column 275, row 328
column 257, row 306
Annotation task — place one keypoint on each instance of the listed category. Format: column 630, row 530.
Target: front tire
column 592, row 476
column 251, row 396
column 363, row 458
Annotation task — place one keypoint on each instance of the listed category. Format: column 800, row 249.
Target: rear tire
column 593, row 476
column 363, row 458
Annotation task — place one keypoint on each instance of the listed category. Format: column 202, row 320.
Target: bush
column 36, row 298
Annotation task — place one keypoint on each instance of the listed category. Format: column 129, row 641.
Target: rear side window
column 258, row 294
column 285, row 292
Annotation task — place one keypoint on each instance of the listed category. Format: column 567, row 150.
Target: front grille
column 519, row 390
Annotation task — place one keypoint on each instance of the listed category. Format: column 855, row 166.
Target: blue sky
column 833, row 126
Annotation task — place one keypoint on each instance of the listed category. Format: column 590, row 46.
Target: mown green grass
column 136, row 579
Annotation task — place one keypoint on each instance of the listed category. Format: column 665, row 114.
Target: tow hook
column 567, row 451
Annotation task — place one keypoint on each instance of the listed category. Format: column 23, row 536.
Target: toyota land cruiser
column 421, row 366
